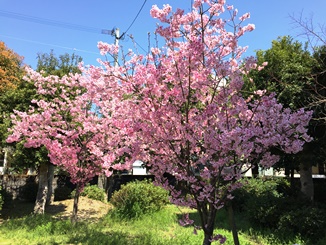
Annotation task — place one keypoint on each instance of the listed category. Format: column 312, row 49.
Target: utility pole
column 107, row 183
column 116, row 33
column 117, row 38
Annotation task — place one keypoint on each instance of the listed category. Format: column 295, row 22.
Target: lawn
column 160, row 228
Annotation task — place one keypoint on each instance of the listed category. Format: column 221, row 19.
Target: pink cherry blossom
column 180, row 109
column 78, row 139
column 185, row 114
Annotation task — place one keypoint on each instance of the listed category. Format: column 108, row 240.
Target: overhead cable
column 37, row 20
column 141, row 8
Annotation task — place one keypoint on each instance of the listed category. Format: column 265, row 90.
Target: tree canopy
column 61, row 65
column 288, row 73
column 10, row 68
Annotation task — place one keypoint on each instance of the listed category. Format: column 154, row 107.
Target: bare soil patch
column 88, row 209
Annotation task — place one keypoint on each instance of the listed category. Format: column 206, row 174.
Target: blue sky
column 75, row 25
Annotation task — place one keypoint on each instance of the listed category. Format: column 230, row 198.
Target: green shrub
column 270, row 204
column 62, row 193
column 309, row 222
column 137, row 198
column 92, row 192
column 260, row 200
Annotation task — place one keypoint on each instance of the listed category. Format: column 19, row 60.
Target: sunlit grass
column 160, row 228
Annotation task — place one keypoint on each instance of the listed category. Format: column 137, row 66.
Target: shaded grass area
column 160, row 228
column 155, row 229
column 16, row 209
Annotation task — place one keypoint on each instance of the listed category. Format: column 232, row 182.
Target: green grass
column 160, row 228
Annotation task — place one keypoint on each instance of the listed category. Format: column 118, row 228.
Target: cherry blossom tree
column 181, row 109
column 185, row 112
column 78, row 139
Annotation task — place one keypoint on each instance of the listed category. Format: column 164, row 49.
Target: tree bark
column 208, row 233
column 103, row 183
column 255, row 170
column 50, row 177
column 74, row 216
column 232, row 224
column 307, row 184
column 5, row 161
column 209, row 226
column 305, row 158
column 42, row 192
column 110, row 186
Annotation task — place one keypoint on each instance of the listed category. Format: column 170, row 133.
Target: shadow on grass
column 243, row 225
column 55, row 209
column 98, row 237
column 19, row 209
column 116, row 238
column 16, row 209
column 80, row 233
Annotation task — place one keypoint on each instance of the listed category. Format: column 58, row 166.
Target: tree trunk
column 102, row 183
column 5, row 161
column 232, row 224
column 292, row 179
column 307, row 184
column 74, row 216
column 42, row 192
column 208, row 236
column 50, row 177
column 110, row 186
column 255, row 170
column 209, row 227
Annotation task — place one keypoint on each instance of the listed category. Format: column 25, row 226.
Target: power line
column 141, row 8
column 38, row 20
column 48, row 44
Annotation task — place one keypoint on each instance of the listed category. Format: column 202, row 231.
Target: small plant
column 137, row 198
column 92, row 192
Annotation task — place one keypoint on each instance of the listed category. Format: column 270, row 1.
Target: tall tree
column 20, row 99
column 183, row 108
column 50, row 64
column 315, row 34
column 289, row 74
column 11, row 73
column 16, row 94
column 319, row 103
column 76, row 137
column 10, row 68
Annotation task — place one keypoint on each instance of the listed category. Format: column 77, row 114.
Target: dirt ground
column 87, row 209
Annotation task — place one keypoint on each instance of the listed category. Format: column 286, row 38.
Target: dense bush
column 137, row 198
column 62, row 193
column 259, row 199
column 270, row 204
column 309, row 222
column 92, row 192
